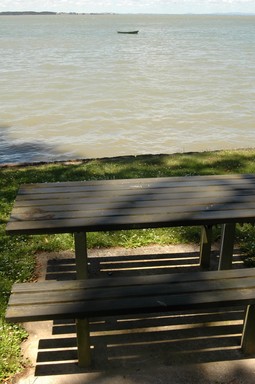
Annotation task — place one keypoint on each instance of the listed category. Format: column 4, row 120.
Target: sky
column 132, row 6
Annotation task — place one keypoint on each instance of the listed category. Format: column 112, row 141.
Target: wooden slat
column 127, row 210
column 129, row 190
column 190, row 197
column 99, row 297
column 129, row 306
column 236, row 179
column 109, row 293
column 118, row 222
column 172, row 278
column 173, row 200
column 73, row 192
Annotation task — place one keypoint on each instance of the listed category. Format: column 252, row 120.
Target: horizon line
column 127, row 13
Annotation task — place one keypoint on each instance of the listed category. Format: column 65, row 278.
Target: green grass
column 10, row 362
column 17, row 253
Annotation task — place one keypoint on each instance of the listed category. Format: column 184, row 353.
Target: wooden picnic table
column 104, row 205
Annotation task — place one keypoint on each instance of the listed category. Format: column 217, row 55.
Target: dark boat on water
column 129, row 32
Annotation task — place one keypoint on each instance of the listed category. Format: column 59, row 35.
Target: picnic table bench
column 106, row 205
column 85, row 299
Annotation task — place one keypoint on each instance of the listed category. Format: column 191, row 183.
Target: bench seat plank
column 180, row 277
column 103, row 297
column 86, row 292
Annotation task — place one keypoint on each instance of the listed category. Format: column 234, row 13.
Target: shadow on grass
column 184, row 164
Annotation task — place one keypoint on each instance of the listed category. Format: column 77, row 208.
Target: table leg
column 227, row 246
column 83, row 343
column 205, row 246
column 248, row 336
column 82, row 325
column 81, row 256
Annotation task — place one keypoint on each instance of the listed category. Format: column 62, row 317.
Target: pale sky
column 132, row 6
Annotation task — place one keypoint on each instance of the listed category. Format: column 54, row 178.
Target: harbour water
column 71, row 87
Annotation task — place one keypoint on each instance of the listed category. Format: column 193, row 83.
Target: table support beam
column 205, row 246
column 227, row 246
column 80, row 243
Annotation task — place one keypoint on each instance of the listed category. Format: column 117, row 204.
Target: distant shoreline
column 47, row 13
column 17, row 13
column 24, row 164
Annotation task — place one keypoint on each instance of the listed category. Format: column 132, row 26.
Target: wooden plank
column 52, row 300
column 235, row 179
column 146, row 290
column 128, row 305
column 165, row 201
column 130, row 210
column 156, row 191
column 191, row 196
column 180, row 277
column 118, row 222
column 134, row 204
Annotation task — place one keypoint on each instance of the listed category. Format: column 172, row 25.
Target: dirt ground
column 192, row 347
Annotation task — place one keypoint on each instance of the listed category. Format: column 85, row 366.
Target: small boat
column 129, row 32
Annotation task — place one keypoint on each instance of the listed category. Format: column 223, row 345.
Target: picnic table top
column 98, row 205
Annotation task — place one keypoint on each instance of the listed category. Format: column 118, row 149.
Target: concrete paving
column 198, row 347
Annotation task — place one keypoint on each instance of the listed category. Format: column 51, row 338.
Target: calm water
column 71, row 87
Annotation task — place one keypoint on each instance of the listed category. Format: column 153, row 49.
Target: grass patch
column 17, row 257
column 10, row 362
